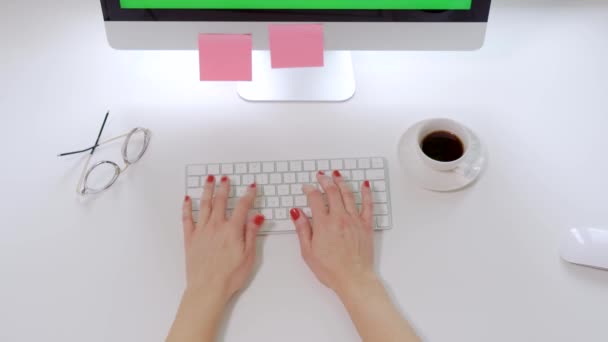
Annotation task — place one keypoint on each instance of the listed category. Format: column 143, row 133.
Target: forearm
column 199, row 317
column 374, row 315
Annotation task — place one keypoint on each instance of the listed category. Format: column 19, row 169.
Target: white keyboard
column 280, row 186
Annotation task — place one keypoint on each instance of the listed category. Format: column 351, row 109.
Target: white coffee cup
column 445, row 125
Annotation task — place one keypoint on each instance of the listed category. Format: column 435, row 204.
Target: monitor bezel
column 479, row 12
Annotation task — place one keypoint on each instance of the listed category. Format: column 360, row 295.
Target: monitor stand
column 333, row 83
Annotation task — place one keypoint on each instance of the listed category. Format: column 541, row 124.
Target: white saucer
column 466, row 173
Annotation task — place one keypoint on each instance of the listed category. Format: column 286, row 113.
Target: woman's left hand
column 220, row 251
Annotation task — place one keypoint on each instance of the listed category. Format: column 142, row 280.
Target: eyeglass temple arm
column 92, row 149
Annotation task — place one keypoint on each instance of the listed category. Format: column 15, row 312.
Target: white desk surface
column 476, row 265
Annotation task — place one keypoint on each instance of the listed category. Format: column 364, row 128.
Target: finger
column 187, row 222
column 251, row 232
column 315, row 200
column 334, row 199
column 239, row 215
column 350, row 204
column 304, row 230
column 206, row 198
column 220, row 201
column 367, row 206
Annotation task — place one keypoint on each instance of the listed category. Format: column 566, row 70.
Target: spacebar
column 277, row 226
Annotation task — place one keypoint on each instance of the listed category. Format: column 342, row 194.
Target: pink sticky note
column 297, row 45
column 225, row 57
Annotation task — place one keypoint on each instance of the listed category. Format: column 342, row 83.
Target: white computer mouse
column 586, row 246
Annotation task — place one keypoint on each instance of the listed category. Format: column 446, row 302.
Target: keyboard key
column 350, row 164
column 354, row 186
column 213, row 169
column 261, row 178
column 232, row 202
column 303, row 177
column 337, row 164
column 227, row 169
column 197, row 170
column 235, row 180
column 364, row 163
column 240, row 191
column 277, row 226
column 289, row 178
column 295, row 166
column 193, row 182
column 383, row 221
column 282, row 167
column 287, row 201
column 313, row 176
column 345, row 174
column 358, row 175
column 270, row 190
column 283, row 190
column 248, row 179
column 379, row 186
column 196, row 203
column 195, row 192
column 310, row 165
column 267, row 214
column 296, row 189
column 374, row 174
column 232, row 192
column 259, row 203
column 255, row 168
column 195, row 215
column 272, row 202
column 301, row 201
column 378, row 163
column 380, row 209
column 280, row 214
column 268, row 167
column 307, row 212
column 323, row 165
column 240, row 168
column 276, row 178
column 380, row 197
column 358, row 199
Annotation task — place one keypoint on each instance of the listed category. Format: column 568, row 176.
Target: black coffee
column 442, row 146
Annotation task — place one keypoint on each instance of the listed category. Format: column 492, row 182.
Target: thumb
column 254, row 224
column 304, row 231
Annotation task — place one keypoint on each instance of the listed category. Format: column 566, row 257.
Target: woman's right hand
column 338, row 245
column 339, row 248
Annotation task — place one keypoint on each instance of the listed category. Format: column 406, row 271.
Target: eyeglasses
column 102, row 175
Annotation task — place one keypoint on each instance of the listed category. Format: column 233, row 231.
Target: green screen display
column 300, row 4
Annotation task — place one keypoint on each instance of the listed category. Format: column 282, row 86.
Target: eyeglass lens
column 101, row 176
column 136, row 145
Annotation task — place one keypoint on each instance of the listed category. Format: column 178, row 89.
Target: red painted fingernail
column 187, row 198
column 366, row 184
column 295, row 214
column 253, row 186
column 259, row 220
column 337, row 174
column 210, row 179
column 224, row 179
column 322, row 173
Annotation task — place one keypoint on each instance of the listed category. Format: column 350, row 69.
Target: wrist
column 358, row 286
column 209, row 294
column 199, row 314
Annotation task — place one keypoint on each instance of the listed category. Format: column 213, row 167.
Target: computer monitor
column 427, row 25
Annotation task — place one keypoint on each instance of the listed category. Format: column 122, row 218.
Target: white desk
column 477, row 265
